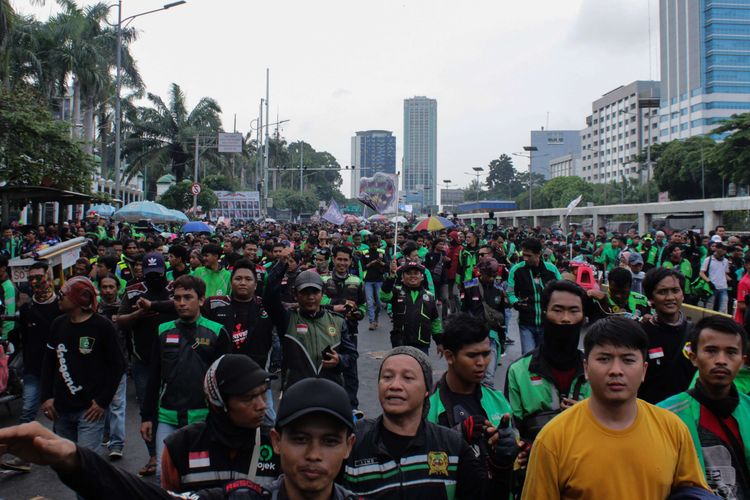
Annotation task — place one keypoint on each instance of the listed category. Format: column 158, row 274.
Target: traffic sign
column 195, row 189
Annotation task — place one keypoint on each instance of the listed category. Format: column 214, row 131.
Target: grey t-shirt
column 717, row 273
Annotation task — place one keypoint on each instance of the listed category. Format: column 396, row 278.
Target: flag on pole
column 333, row 214
column 573, row 204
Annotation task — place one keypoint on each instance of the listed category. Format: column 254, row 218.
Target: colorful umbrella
column 351, row 219
column 103, row 210
column 138, row 210
column 377, row 218
column 434, row 223
column 196, row 227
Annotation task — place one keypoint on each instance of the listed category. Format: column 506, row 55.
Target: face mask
column 560, row 344
column 155, row 281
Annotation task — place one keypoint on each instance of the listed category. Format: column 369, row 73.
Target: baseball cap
column 412, row 264
column 647, row 237
column 635, row 258
column 314, row 395
column 308, row 279
column 153, row 263
column 716, row 239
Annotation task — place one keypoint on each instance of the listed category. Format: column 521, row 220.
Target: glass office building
column 420, row 149
column 372, row 151
column 705, row 65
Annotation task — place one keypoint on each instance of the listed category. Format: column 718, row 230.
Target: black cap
column 308, row 279
column 412, row 264
column 314, row 395
column 233, row 375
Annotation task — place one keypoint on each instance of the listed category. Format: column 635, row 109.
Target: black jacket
column 32, row 334
column 525, row 285
column 248, row 324
column 669, row 368
column 436, row 461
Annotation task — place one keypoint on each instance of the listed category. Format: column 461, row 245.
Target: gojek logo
column 266, row 462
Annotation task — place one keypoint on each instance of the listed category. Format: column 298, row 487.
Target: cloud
column 613, row 26
column 340, row 93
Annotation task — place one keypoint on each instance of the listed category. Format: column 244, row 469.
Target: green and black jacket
column 525, row 285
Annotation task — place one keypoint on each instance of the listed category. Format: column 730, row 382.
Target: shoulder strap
column 253, row 471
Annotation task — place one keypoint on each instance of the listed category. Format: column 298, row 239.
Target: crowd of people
column 653, row 407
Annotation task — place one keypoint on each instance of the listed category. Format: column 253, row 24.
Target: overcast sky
column 496, row 67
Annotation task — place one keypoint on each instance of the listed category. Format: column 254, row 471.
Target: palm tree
column 163, row 136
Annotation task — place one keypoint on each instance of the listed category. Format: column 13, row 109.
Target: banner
column 333, row 214
column 380, row 190
column 242, row 205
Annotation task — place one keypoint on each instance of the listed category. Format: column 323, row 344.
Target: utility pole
column 265, row 154
column 301, row 152
column 195, row 173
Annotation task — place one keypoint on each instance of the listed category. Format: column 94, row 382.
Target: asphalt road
column 42, row 481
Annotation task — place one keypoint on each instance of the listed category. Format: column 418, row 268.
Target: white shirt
column 717, row 273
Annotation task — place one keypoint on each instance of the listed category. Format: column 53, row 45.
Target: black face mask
column 560, row 345
column 155, row 281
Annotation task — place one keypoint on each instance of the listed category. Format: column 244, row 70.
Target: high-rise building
column 622, row 124
column 372, row 151
column 420, row 148
column 705, row 65
column 551, row 144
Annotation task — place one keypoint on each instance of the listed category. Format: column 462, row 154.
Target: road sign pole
column 195, row 174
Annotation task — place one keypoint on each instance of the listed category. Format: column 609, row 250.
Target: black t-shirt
column 375, row 272
column 396, row 444
column 145, row 330
column 464, row 405
column 83, row 362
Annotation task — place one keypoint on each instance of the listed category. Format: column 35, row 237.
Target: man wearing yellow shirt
column 613, row 445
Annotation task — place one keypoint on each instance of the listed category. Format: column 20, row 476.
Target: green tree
column 732, row 154
column 178, row 197
column 501, row 175
column 298, row 202
column 219, row 182
column 682, row 166
column 35, row 149
column 164, row 135
column 562, row 190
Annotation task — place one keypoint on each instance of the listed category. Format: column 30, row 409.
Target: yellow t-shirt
column 574, row 456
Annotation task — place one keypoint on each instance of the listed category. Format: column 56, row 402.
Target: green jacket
column 493, row 403
column 217, row 282
column 689, row 410
column 686, row 269
column 530, row 386
column 9, row 301
column 186, row 352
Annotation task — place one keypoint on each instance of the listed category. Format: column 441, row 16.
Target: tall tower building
column 372, row 151
column 420, row 149
column 705, row 65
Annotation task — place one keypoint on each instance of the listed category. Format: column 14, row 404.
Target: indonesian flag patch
column 173, row 338
column 536, row 380
column 655, row 353
column 302, row 329
column 197, row 459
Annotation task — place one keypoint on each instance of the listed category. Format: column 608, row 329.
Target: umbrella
column 197, row 227
column 103, row 210
column 178, row 216
column 399, row 218
column 377, row 218
column 351, row 219
column 434, row 223
column 138, row 210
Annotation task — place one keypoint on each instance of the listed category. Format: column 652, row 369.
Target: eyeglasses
column 481, row 254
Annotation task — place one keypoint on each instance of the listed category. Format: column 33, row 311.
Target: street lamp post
column 447, row 183
column 118, row 81
column 478, row 173
column 530, row 150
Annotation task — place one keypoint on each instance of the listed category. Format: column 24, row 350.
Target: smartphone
column 327, row 352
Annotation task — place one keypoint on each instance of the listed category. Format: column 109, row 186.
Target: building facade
column 420, row 148
column 551, row 144
column 623, row 123
column 705, row 65
column 372, row 151
column 565, row 166
column 451, row 198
